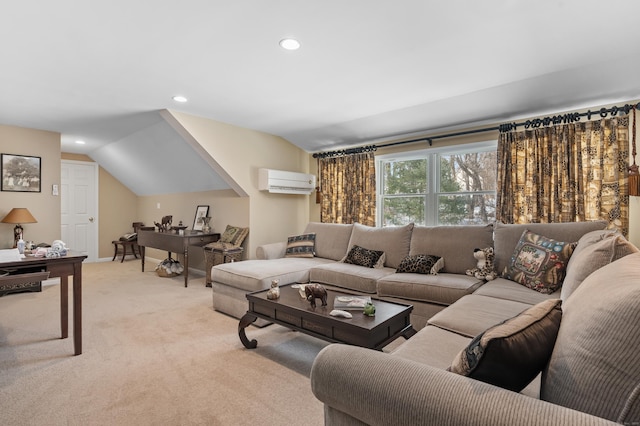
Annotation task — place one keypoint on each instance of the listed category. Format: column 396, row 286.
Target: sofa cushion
column 453, row 243
column 234, row 235
column 506, row 236
column 539, row 263
column 332, row 239
column 364, row 257
column 421, row 264
column 595, row 250
column 432, row 346
column 301, row 245
column 346, row 275
column 394, row 241
column 254, row 275
column 511, row 354
column 473, row 314
column 501, row 288
column 443, row 289
column 595, row 365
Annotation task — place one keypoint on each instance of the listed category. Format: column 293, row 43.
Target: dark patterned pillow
column 539, row 263
column 301, row 246
column 364, row 257
column 421, row 264
column 512, row 353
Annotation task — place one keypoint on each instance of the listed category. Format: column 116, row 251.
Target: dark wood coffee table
column 292, row 311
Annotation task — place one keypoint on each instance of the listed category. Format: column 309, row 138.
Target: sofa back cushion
column 455, row 244
column 394, row 241
column 507, row 236
column 332, row 239
column 595, row 364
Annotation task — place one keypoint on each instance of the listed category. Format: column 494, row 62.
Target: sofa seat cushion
column 455, row 244
column 443, row 289
column 352, row 277
column 502, row 288
column 433, row 346
column 254, row 275
column 595, row 364
column 473, row 314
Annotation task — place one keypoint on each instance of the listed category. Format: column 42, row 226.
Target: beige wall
column 44, row 206
column 239, row 153
column 225, row 208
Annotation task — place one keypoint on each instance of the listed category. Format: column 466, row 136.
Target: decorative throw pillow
column 421, row 264
column 512, row 353
column 539, row 263
column 234, row 235
column 361, row 256
column 301, row 246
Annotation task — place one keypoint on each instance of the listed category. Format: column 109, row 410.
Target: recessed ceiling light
column 80, row 142
column 181, row 99
column 290, row 44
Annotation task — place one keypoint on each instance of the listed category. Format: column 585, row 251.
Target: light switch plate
column 54, row 189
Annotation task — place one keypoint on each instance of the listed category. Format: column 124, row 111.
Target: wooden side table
column 215, row 255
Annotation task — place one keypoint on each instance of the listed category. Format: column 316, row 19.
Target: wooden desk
column 175, row 243
column 59, row 267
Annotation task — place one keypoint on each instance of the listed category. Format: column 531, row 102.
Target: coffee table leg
column 408, row 332
column 245, row 321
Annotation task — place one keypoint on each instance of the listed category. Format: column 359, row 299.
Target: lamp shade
column 19, row 215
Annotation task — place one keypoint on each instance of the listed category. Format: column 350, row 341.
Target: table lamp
column 18, row 215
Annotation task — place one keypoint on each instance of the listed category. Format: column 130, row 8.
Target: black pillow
column 512, row 353
column 364, row 257
column 421, row 264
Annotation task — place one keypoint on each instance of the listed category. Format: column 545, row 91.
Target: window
column 443, row 186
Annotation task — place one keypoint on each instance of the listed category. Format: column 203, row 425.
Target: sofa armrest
column 271, row 251
column 381, row 389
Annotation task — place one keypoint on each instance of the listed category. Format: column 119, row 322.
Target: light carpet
column 154, row 353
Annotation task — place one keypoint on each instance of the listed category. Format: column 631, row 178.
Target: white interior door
column 79, row 204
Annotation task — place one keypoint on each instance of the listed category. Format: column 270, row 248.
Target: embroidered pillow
column 234, row 235
column 421, row 264
column 301, row 246
column 539, row 263
column 512, row 353
column 361, row 256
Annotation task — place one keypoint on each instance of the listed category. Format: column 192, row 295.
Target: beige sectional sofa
column 427, row 293
column 591, row 375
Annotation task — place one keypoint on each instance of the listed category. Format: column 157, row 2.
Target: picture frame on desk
column 198, row 223
column 20, row 173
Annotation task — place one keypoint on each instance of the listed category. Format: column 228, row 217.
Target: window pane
column 405, row 177
column 466, row 209
column 402, row 210
column 468, row 172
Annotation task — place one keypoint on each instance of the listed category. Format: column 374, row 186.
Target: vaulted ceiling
column 367, row 70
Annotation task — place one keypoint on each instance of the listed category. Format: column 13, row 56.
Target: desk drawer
column 22, row 282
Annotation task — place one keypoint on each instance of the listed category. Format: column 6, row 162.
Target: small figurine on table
column 313, row 291
column 274, row 291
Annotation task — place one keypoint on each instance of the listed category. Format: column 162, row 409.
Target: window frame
column 431, row 197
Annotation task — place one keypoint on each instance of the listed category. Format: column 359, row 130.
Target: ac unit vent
column 283, row 182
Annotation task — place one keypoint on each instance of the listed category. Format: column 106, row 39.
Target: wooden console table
column 61, row 267
column 175, row 243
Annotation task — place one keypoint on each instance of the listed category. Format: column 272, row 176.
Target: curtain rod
column 534, row 123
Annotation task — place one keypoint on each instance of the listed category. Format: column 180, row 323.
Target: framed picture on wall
column 198, row 223
column 20, row 173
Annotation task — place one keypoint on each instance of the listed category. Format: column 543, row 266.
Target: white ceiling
column 367, row 70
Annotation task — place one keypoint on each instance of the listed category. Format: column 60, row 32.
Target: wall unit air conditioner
column 282, row 182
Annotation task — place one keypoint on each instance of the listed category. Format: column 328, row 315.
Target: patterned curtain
column 348, row 185
column 573, row 172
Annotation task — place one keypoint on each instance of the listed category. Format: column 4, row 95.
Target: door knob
column 91, row 219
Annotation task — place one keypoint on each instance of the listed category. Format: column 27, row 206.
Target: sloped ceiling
column 156, row 160
column 367, row 71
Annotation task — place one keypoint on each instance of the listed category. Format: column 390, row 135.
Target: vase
column 206, row 226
